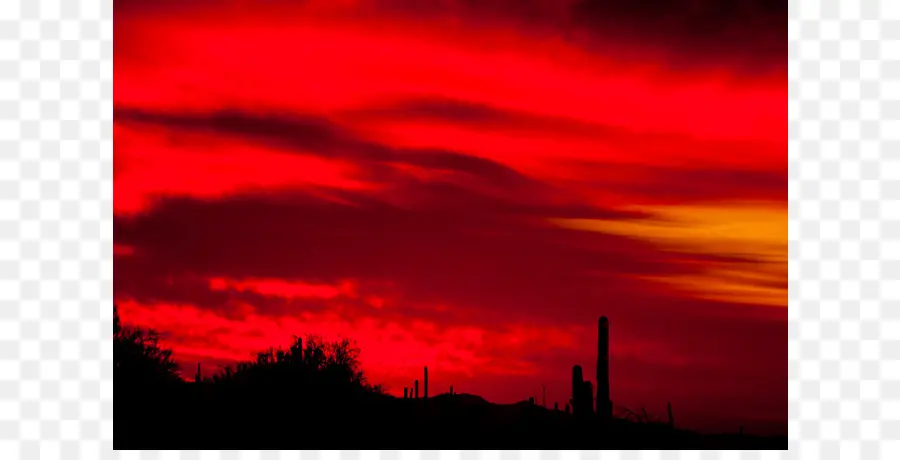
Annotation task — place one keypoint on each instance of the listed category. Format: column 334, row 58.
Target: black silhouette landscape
column 464, row 189
column 314, row 395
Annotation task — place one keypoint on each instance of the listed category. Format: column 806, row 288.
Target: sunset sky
column 466, row 185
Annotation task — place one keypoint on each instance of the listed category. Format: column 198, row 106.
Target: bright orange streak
column 756, row 231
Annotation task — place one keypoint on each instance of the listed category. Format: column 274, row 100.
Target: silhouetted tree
column 307, row 365
column 138, row 357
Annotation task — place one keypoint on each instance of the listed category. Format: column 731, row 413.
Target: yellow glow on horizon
column 753, row 231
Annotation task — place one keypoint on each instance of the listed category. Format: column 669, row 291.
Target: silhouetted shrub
column 308, row 363
column 138, row 357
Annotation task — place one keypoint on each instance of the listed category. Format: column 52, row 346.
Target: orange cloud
column 756, row 232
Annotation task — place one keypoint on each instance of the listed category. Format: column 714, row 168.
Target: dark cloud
column 693, row 182
column 476, row 260
column 487, row 117
column 318, row 135
column 750, row 33
column 491, row 270
column 745, row 35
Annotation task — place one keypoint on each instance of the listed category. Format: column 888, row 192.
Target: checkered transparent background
column 56, row 238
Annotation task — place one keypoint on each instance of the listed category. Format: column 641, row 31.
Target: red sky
column 468, row 186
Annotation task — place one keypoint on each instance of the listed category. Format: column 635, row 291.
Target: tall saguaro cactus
column 426, row 383
column 417, row 388
column 577, row 378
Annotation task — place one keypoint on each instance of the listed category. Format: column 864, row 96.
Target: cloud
column 154, row 164
column 511, row 70
column 754, row 234
column 282, row 288
column 228, row 153
column 745, row 33
column 310, row 134
column 628, row 165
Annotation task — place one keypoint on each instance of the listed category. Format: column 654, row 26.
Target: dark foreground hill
column 185, row 416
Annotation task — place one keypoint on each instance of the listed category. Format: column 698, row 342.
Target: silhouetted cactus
column 577, row 379
column 405, row 393
column 417, row 388
column 587, row 397
column 425, row 393
column 568, row 409
column 581, row 402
